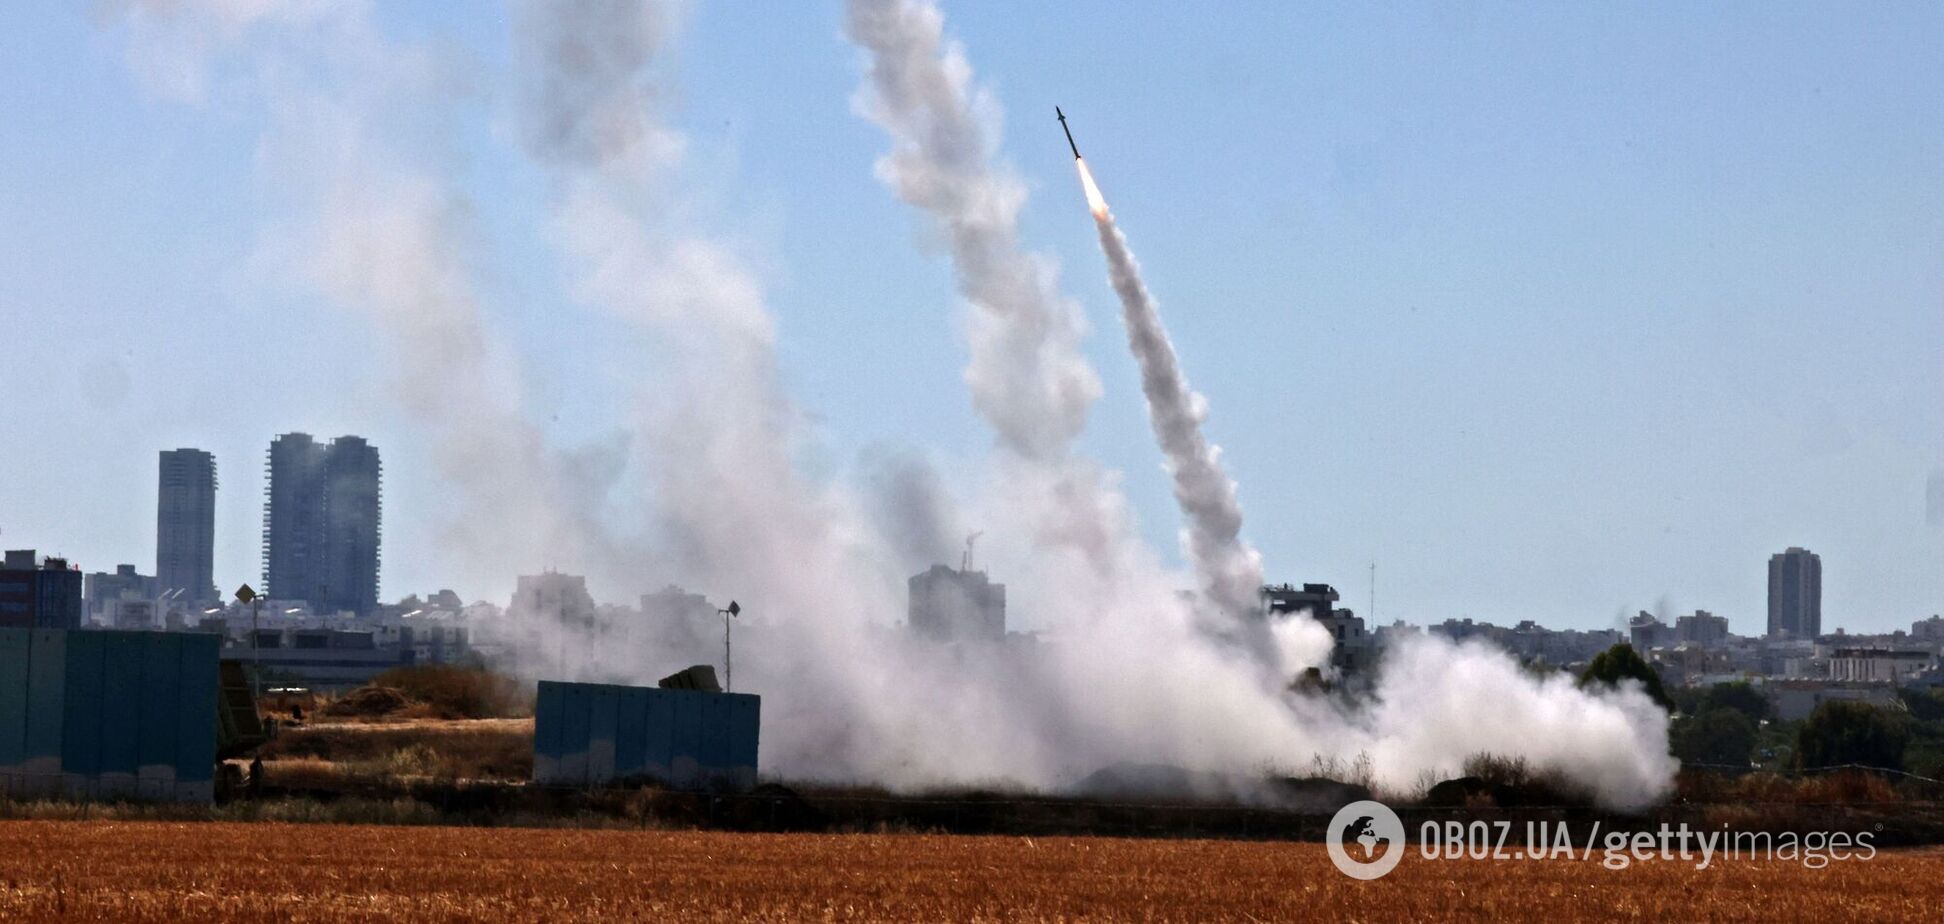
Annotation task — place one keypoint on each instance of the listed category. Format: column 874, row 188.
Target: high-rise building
column 1795, row 594
column 185, row 525
column 352, row 475
column 954, row 605
column 321, row 523
column 292, row 518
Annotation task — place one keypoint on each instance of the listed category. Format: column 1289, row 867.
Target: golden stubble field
column 153, row 871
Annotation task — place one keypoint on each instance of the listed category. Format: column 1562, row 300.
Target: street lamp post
column 728, row 664
column 246, row 594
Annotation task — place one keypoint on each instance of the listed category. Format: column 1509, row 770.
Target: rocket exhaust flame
column 1096, row 203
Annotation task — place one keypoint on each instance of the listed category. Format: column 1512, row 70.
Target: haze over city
column 1555, row 320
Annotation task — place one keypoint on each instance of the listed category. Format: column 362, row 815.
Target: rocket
column 1069, row 132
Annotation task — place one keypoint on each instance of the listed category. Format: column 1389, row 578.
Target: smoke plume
column 1028, row 378
column 945, row 162
column 1125, row 673
column 1230, row 570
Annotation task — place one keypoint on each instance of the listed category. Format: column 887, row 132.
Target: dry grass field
column 150, row 871
column 450, row 749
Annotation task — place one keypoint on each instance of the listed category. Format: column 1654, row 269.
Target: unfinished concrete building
column 957, row 605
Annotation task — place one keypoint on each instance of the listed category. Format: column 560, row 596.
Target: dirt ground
column 206, row 871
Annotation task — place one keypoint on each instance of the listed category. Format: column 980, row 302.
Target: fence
column 108, row 714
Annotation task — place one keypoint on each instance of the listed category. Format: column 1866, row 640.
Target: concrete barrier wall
column 588, row 734
column 108, row 715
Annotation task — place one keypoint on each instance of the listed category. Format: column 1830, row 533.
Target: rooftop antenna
column 1373, row 593
column 965, row 562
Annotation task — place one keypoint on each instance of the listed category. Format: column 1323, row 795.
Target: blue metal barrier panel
column 591, row 734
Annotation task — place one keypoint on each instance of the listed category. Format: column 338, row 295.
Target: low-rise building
column 39, row 593
column 1877, row 665
column 103, row 592
column 1646, row 632
column 956, row 605
column 1353, row 650
column 1795, row 699
column 1701, row 628
column 320, row 658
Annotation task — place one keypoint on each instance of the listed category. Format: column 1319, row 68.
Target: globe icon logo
column 1361, row 831
column 1365, row 840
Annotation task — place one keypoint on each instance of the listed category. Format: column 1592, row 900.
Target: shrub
column 453, row 692
column 1740, row 696
column 369, row 702
column 1720, row 736
column 1845, row 787
column 1512, row 781
column 476, row 750
column 1924, row 705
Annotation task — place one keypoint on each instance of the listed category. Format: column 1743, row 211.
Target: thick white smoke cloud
column 735, row 515
column 944, row 162
column 1435, row 699
column 1127, row 675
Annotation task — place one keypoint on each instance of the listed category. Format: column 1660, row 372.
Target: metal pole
column 728, row 664
column 256, row 657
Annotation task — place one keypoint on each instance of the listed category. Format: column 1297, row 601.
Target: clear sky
column 1553, row 311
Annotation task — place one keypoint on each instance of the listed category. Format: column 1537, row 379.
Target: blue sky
column 1553, row 311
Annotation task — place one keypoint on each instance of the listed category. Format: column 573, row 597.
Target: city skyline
column 760, row 427
column 1794, row 575
column 1543, row 325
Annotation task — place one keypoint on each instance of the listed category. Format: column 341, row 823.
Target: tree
column 1845, row 732
column 1621, row 662
column 1720, row 736
column 1924, row 705
column 1739, row 696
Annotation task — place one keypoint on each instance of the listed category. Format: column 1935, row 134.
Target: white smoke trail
column 1126, row 676
column 845, row 696
column 371, row 221
column 1230, row 570
column 849, row 697
column 1027, row 375
column 1135, row 678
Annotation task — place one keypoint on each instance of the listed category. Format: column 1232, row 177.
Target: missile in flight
column 1069, row 132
